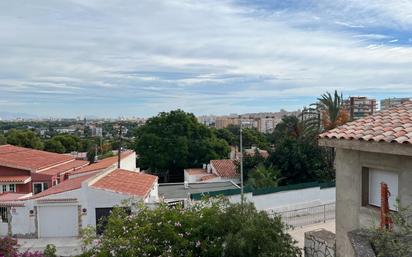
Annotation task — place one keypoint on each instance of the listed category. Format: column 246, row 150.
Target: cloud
column 204, row 56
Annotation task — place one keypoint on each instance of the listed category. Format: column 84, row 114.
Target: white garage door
column 58, row 221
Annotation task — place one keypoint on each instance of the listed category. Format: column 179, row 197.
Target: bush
column 396, row 242
column 208, row 229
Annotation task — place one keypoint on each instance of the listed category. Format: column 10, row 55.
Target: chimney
column 186, row 185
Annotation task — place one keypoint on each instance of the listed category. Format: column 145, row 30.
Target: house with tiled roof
column 216, row 170
column 128, row 162
column 25, row 171
column 370, row 151
column 62, row 210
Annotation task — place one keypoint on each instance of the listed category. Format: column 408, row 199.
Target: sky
column 137, row 58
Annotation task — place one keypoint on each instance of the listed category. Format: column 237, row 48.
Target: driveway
column 65, row 246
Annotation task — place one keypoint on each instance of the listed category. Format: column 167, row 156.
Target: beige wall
column 350, row 214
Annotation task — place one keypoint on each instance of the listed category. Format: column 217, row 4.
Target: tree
column 3, row 140
column 301, row 161
column 55, row 146
column 262, row 177
column 24, row 138
column 212, row 228
column 332, row 112
column 174, row 141
column 71, row 143
column 250, row 162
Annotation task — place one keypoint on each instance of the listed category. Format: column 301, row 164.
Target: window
column 8, row 188
column 4, row 215
column 39, row 187
column 371, row 187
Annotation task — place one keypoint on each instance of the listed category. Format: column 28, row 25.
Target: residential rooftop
column 393, row 125
column 178, row 190
column 30, row 159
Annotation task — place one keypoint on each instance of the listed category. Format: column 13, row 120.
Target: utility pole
column 120, row 146
column 241, row 164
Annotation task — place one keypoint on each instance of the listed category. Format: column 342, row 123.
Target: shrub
column 208, row 229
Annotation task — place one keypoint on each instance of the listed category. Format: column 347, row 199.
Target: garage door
column 58, row 221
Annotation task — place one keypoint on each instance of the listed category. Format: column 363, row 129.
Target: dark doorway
column 102, row 214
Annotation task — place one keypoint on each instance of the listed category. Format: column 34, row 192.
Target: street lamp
column 241, row 165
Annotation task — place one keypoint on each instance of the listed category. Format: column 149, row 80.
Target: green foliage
column 251, row 137
column 397, row 242
column 250, row 162
column 301, row 161
column 55, row 146
column 212, row 228
column 50, row 251
column 175, row 140
column 3, row 139
column 70, row 143
column 24, row 138
column 262, row 177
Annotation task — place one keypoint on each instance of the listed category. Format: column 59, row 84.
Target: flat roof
column 178, row 190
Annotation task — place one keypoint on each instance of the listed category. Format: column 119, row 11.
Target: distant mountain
column 16, row 116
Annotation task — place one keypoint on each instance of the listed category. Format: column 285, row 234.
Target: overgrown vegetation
column 211, row 228
column 396, row 242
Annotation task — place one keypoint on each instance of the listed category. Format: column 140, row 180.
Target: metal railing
column 307, row 216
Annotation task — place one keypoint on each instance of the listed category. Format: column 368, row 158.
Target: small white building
column 63, row 210
column 216, row 171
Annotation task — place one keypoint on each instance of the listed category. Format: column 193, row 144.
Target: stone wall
column 320, row 243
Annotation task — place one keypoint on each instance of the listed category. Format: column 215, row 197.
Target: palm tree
column 332, row 110
column 262, row 177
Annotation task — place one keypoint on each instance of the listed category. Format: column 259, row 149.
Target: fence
column 308, row 216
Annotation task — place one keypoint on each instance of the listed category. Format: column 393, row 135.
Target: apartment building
column 360, row 106
column 393, row 102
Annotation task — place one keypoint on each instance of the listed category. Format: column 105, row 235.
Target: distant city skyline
column 138, row 58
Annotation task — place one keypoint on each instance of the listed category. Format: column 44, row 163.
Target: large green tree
column 24, row 138
column 3, row 139
column 173, row 141
column 207, row 229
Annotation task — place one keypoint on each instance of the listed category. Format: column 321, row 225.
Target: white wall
column 128, row 163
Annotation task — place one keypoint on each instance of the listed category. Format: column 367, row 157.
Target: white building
column 217, row 170
column 61, row 211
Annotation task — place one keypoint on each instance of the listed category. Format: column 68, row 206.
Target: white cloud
column 203, row 56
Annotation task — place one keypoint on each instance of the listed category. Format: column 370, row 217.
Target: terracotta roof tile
column 69, row 166
column 127, row 182
column 66, row 185
column 225, row 168
column 101, row 164
column 196, row 171
column 393, row 126
column 14, row 179
column 29, row 159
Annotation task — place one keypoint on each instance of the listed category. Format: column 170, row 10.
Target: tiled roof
column 14, row 179
column 225, row 168
column 66, row 185
column 393, row 126
column 127, row 182
column 70, row 166
column 101, row 164
column 29, row 159
column 11, row 196
column 195, row 171
column 208, row 177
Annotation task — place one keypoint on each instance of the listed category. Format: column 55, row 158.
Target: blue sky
column 137, row 58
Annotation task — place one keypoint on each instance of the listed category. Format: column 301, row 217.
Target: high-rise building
column 360, row 106
column 392, row 102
